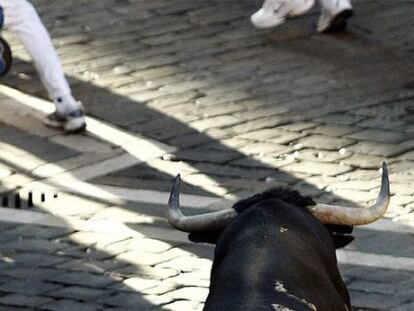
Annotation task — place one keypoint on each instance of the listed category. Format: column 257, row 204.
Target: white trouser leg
column 22, row 20
column 326, row 4
column 333, row 6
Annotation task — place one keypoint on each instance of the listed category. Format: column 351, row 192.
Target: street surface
column 191, row 87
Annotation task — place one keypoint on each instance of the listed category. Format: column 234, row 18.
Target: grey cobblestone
column 67, row 305
column 161, row 128
column 131, row 300
column 146, row 258
column 230, row 171
column 140, row 245
column 381, row 149
column 333, row 130
column 19, row 300
column 219, row 121
column 375, row 301
column 325, row 142
column 205, row 155
column 34, row 245
column 272, row 149
column 91, row 265
column 187, row 264
column 35, row 274
column 184, row 305
column 78, row 293
column 341, row 119
column 322, row 155
column 189, row 293
column 401, row 289
column 380, row 136
column 147, row 272
column 195, row 278
column 365, row 161
column 318, row 168
column 29, row 259
column 28, row 287
column 139, row 284
column 278, row 137
column 82, row 279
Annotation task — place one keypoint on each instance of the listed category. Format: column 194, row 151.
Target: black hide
column 340, row 234
column 275, row 255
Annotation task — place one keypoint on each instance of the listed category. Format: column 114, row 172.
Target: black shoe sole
column 340, row 21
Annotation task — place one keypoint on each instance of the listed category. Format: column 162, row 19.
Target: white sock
column 66, row 104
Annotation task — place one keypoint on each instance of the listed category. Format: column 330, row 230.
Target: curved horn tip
column 177, row 183
column 384, row 169
column 385, row 179
column 175, row 190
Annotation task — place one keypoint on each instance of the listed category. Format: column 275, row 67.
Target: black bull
column 272, row 253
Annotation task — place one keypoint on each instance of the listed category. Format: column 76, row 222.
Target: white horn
column 205, row 222
column 344, row 215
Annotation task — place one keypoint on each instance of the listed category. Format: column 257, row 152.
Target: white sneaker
column 71, row 123
column 335, row 16
column 274, row 12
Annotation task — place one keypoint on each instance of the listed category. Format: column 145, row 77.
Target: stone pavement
column 190, row 87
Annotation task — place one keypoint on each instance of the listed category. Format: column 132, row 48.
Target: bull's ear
column 341, row 234
column 339, row 229
column 204, row 237
column 342, row 240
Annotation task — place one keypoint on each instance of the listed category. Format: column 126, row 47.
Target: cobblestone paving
column 45, row 268
column 243, row 109
column 237, row 102
column 58, row 268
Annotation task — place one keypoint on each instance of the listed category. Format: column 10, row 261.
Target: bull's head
column 326, row 214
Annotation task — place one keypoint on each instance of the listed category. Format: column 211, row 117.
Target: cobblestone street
column 191, row 87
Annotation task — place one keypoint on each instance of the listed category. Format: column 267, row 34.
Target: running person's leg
column 21, row 19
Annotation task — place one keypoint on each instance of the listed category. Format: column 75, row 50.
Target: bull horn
column 343, row 215
column 205, row 222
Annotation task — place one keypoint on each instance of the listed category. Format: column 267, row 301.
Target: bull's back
column 268, row 259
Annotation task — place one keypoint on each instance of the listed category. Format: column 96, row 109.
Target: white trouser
column 21, row 19
column 333, row 6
